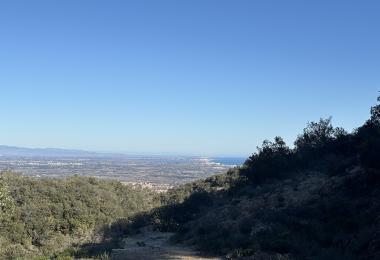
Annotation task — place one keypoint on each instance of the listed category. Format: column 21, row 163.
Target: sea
column 229, row 161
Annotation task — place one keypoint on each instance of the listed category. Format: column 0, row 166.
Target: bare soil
column 149, row 244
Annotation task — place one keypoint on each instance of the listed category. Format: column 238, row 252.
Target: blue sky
column 189, row 77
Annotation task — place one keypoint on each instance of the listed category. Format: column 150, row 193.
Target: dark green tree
column 375, row 113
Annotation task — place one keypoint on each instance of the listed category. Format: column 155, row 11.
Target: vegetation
column 45, row 217
column 6, row 201
column 318, row 200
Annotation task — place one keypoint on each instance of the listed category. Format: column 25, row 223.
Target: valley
column 157, row 172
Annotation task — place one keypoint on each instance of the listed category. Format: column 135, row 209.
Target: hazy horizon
column 130, row 153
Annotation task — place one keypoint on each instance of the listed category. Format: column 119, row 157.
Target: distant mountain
column 44, row 152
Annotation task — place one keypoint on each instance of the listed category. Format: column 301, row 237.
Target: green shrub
column 50, row 215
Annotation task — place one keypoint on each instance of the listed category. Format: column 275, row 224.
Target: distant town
column 157, row 172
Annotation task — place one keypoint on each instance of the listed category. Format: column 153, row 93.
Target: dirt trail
column 151, row 245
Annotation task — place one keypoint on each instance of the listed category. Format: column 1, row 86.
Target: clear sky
column 206, row 77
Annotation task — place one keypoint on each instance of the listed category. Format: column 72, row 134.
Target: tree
column 6, row 201
column 271, row 161
column 315, row 135
column 375, row 113
column 368, row 139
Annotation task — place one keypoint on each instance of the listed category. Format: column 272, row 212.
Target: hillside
column 318, row 200
column 54, row 218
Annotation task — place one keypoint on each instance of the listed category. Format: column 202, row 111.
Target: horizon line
column 125, row 152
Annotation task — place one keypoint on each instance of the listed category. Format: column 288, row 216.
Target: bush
column 367, row 140
column 317, row 137
column 271, row 161
column 6, row 201
column 52, row 214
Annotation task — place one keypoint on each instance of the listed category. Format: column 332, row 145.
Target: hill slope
column 319, row 200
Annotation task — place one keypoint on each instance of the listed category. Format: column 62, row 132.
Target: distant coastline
column 228, row 161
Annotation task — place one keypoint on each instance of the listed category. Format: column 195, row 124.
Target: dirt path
column 154, row 245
